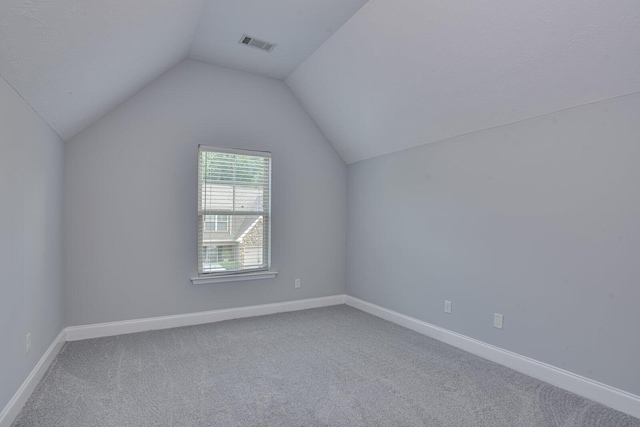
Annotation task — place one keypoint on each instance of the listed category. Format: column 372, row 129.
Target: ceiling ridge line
column 499, row 126
column 33, row 109
column 195, row 31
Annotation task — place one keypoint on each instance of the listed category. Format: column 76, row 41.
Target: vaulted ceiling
column 404, row 73
column 298, row 27
column 377, row 76
column 74, row 60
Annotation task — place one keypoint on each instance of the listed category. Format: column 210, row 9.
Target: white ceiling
column 298, row 27
column 397, row 74
column 74, row 60
column 404, row 73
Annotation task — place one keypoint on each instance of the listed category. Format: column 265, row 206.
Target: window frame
column 241, row 274
column 216, row 221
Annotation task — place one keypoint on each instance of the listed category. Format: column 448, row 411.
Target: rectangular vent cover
column 258, row 44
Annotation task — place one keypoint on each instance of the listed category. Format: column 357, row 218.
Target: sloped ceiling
column 298, row 27
column 397, row 74
column 74, row 60
column 404, row 73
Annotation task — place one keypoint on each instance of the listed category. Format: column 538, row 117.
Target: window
column 216, row 223
column 234, row 211
column 211, row 254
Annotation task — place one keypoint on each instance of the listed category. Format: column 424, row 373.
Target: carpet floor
column 333, row 366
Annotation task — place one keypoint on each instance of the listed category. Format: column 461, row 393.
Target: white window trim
column 237, row 277
column 239, row 151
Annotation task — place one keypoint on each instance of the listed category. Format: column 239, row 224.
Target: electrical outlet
column 497, row 320
column 447, row 306
column 28, row 343
column 297, row 285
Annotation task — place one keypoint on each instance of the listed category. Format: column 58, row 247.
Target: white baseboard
column 585, row 387
column 11, row 411
column 602, row 393
column 75, row 333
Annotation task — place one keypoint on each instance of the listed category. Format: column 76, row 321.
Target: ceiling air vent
column 258, row 44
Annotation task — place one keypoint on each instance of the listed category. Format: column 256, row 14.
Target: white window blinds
column 234, row 211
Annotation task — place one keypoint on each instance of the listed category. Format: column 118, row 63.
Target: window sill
column 240, row 277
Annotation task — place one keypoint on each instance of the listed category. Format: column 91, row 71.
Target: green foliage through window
column 233, row 168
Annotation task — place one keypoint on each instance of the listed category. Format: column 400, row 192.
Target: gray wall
column 131, row 201
column 31, row 157
column 538, row 220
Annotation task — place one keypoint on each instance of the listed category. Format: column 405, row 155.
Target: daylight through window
column 234, row 203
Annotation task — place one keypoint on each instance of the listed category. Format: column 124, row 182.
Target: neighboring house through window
column 234, row 211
